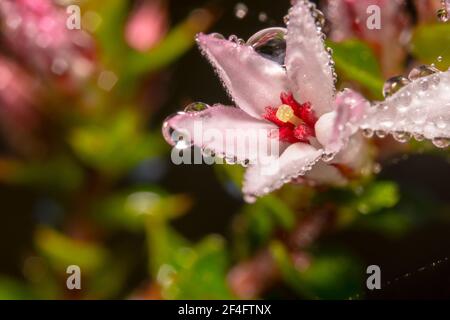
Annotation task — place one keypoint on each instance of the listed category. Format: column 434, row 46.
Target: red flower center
column 295, row 121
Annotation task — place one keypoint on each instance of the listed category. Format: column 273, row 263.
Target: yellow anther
column 286, row 114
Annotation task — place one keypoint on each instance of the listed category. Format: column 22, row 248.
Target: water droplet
column 435, row 80
column 196, row 107
column 441, row 123
column 327, row 156
column 233, row 38
column 419, row 136
column 442, row 15
column 421, row 71
column 404, row 98
column 380, row 133
column 393, row 85
column 270, row 43
column 368, row 133
column 441, row 142
column 401, row 136
column 423, row 84
column 250, row 198
column 218, row 36
column 240, row 10
column 178, row 139
column 320, row 17
column 231, row 159
column 440, row 59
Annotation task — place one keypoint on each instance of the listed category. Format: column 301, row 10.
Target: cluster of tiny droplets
column 424, row 78
column 320, row 21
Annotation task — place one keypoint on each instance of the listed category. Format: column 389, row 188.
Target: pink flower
column 294, row 104
column 36, row 31
column 349, row 18
column 147, row 25
column 18, row 115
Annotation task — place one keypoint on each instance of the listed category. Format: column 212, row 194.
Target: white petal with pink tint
column 295, row 161
column 252, row 81
column 227, row 131
column 421, row 108
column 335, row 128
column 307, row 62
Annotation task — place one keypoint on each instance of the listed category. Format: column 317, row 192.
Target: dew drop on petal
column 393, row 85
column 196, row 107
column 218, row 36
column 270, row 43
column 442, row 15
column 368, row 133
column 327, row 156
column 441, row 142
column 320, row 17
column 380, row 133
column 421, row 71
column 174, row 137
column 401, row 136
column 419, row 136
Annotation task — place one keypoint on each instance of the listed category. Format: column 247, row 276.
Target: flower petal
column 252, row 81
column 295, row 161
column 335, row 128
column 225, row 131
column 324, row 174
column 422, row 109
column 307, row 61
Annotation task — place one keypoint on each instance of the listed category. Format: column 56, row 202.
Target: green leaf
column 329, row 275
column 114, row 144
column 11, row 289
column 356, row 61
column 431, row 41
column 62, row 251
column 203, row 276
column 377, row 196
column 129, row 210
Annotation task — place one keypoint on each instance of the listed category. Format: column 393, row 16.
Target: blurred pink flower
column 18, row 115
column 348, row 19
column 36, row 31
column 146, row 25
column 427, row 9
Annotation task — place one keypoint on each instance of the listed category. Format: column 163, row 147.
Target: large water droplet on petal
column 196, row 107
column 178, row 139
column 393, row 85
column 270, row 43
column 421, row 71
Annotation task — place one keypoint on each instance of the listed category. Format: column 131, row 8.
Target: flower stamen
column 286, row 114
